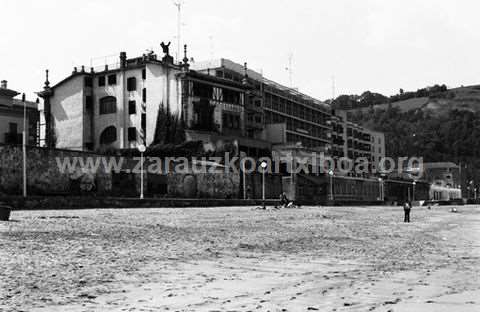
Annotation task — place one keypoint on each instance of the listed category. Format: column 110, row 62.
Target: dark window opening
column 144, row 74
column 132, row 107
column 202, row 90
column 231, row 96
column 144, row 95
column 231, row 121
column 101, row 81
column 88, row 81
column 109, row 135
column 112, row 79
column 131, row 84
column 89, row 102
column 108, row 105
column 13, row 127
column 144, row 123
column 132, row 134
column 203, row 116
column 89, row 146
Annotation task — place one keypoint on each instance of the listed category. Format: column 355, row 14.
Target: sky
column 360, row 45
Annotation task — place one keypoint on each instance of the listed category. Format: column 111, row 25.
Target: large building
column 276, row 113
column 353, row 141
column 12, row 117
column 218, row 101
column 116, row 106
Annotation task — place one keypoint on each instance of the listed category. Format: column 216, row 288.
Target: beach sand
column 241, row 259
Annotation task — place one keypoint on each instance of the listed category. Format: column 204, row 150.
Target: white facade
column 76, row 105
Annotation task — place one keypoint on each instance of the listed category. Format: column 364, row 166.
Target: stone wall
column 44, row 177
column 204, row 185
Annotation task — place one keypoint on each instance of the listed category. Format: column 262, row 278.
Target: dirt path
column 317, row 259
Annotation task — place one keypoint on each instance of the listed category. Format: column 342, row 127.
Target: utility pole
column 24, row 146
column 178, row 4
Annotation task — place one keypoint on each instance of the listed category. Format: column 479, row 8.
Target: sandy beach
column 240, row 259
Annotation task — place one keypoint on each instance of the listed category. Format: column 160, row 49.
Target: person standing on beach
column 406, row 209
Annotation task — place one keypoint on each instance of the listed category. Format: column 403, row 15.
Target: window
column 108, row 105
column 144, row 123
column 231, row 121
column 132, row 134
column 89, row 146
column 13, row 127
column 231, row 96
column 88, row 81
column 144, row 74
column 131, row 84
column 101, row 81
column 112, row 79
column 88, row 102
column 144, row 95
column 132, row 107
column 202, row 90
column 109, row 135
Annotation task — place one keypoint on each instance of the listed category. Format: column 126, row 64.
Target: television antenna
column 333, row 88
column 289, row 68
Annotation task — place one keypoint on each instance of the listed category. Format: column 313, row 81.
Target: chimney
column 123, row 59
column 3, row 84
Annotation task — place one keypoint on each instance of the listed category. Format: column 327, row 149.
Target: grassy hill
column 462, row 98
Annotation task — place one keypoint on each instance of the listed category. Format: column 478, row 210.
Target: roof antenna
column 178, row 4
column 211, row 46
column 333, row 88
column 289, row 68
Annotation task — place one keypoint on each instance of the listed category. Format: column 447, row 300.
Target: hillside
column 462, row 98
column 439, row 130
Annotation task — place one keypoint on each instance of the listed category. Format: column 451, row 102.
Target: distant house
column 444, row 179
column 12, row 117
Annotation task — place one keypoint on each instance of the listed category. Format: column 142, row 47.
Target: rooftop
column 228, row 64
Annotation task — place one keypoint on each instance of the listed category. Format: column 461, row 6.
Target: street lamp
column 330, row 173
column 24, row 146
column 263, row 164
column 413, row 190
column 380, row 186
column 141, row 148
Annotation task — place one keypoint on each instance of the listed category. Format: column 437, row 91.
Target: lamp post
column 242, row 162
column 263, row 164
column 413, row 190
column 330, row 173
column 24, row 146
column 141, row 149
column 380, row 186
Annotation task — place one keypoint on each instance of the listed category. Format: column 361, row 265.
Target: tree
column 169, row 128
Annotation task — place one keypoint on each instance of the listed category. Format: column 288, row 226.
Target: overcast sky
column 371, row 45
